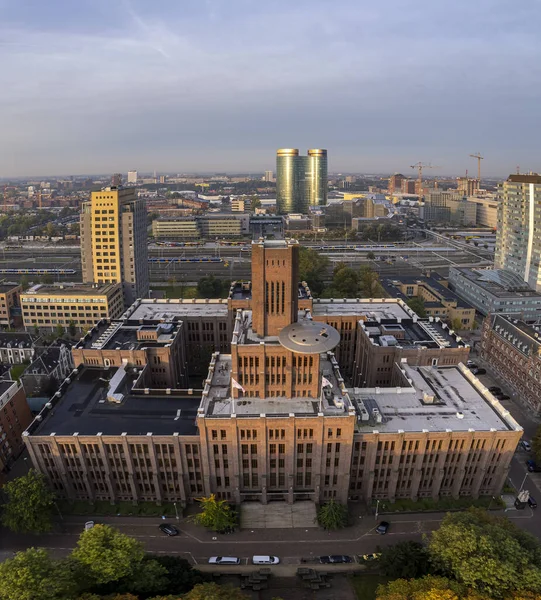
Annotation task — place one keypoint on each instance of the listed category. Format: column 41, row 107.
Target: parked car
column 504, row 397
column 224, row 560
column 382, row 528
column 89, row 525
column 526, row 445
column 479, row 371
column 532, row 466
column 371, row 557
column 265, row 560
column 168, row 529
column 472, row 365
column 531, row 502
column 335, row 559
column 494, row 389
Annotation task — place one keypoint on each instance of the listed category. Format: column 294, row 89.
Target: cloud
column 95, row 86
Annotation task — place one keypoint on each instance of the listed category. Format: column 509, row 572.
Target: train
column 38, row 271
column 166, row 259
column 178, row 244
column 356, row 248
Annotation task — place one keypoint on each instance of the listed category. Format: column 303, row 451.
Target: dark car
column 382, row 528
column 531, row 502
column 472, row 366
column 169, row 529
column 494, row 389
column 532, row 466
column 479, row 371
column 504, row 397
column 335, row 559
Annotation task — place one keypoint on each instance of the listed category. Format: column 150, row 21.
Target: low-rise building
column 185, row 228
column 448, row 207
column 513, row 349
column 218, row 225
column 496, row 291
column 15, row 417
column 439, row 301
column 17, row 347
column 83, row 305
column 487, row 211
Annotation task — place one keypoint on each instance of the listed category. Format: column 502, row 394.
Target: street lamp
column 377, row 509
column 522, row 484
column 176, row 511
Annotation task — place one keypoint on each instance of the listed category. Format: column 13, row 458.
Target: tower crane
column 479, row 159
column 420, row 166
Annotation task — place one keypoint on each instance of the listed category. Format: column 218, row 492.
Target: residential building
column 16, row 347
column 496, row 291
column 241, row 204
column 15, row 417
column 185, row 228
column 53, row 364
column 448, row 207
column 487, row 211
column 439, row 301
column 114, row 241
column 217, row 225
column 274, row 420
column 269, row 176
column 9, row 303
column 395, row 183
column 301, row 181
column 116, row 179
column 408, row 186
column 513, row 350
column 132, row 177
column 518, row 243
column 47, row 306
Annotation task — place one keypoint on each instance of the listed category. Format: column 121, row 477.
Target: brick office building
column 274, row 419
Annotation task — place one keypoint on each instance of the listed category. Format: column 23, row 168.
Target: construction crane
column 420, row 166
column 479, row 159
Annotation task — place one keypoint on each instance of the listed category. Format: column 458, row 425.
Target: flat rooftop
column 123, row 335
column 391, row 284
column 376, row 310
column 425, row 333
column 169, row 310
column 439, row 399
column 7, row 287
column 84, row 409
column 67, row 289
column 500, row 283
column 218, row 403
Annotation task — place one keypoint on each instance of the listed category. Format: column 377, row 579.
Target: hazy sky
column 181, row 85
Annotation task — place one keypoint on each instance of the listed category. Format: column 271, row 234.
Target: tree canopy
column 405, row 560
column 33, row 575
column 417, row 305
column 29, row 507
column 212, row 287
column 488, row 554
column 312, row 269
column 215, row 514
column 332, row 515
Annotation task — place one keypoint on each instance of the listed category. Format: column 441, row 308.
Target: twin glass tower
column 301, row 181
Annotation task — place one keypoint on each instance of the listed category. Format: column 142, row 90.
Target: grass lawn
column 365, row 585
column 442, row 504
column 178, row 291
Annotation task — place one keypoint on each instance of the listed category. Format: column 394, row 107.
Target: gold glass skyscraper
column 301, row 181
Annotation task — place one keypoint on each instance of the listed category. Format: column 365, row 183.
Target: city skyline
column 217, row 87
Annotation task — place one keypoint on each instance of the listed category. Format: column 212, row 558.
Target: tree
column 371, row 256
column 149, row 577
column 212, row 591
column 33, row 575
column 488, row 554
column 405, row 560
column 426, row 588
column 212, row 287
column 181, row 575
column 72, row 329
column 536, row 444
column 332, row 515
column 312, row 269
column 256, row 203
column 107, row 554
column 370, row 286
column 417, row 305
column 60, row 331
column 215, row 514
column 346, row 281
column 36, row 329
column 24, row 282
column 456, row 324
column 29, row 507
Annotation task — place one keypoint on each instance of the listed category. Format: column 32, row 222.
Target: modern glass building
column 301, row 181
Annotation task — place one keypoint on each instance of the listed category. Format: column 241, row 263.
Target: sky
column 99, row 86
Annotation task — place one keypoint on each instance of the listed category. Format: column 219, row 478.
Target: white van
column 224, row 560
column 265, row 560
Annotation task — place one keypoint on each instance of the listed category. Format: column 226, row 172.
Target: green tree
column 212, row 591
column 456, row 324
column 150, row 577
column 181, row 575
column 256, row 203
column 370, row 256
column 536, row 445
column 24, row 282
column 212, row 287
column 36, row 329
column 346, row 281
column 72, row 329
column 107, row 554
column 417, row 305
column 312, row 269
column 60, row 331
column 33, row 575
column 488, row 554
column 29, row 506
column 332, row 515
column 215, row 514
column 405, row 560
column 370, row 286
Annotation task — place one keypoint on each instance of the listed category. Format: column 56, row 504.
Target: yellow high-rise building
column 114, row 241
